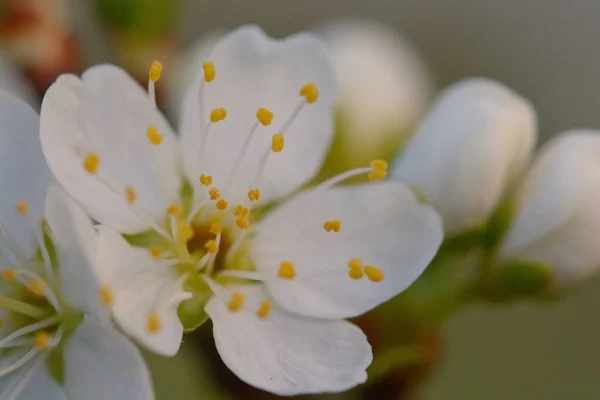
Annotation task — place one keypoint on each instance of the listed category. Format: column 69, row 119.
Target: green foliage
column 522, row 278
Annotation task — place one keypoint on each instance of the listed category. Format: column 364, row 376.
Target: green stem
column 22, row 308
column 395, row 358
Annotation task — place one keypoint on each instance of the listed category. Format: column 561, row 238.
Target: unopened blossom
column 468, row 151
column 52, row 309
column 255, row 126
column 385, row 85
column 556, row 220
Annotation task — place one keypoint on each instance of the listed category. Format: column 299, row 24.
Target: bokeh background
column 547, row 50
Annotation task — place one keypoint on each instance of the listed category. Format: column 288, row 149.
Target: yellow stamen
column 91, row 162
column 156, row 251
column 222, row 204
column 106, row 295
column 264, row 116
column 236, row 302
column 209, row 71
column 153, row 135
column 206, row 180
column 254, row 194
column 374, row 273
column 240, row 211
column 22, row 207
column 378, row 170
column 277, row 143
column 242, row 222
column 310, row 92
column 184, row 230
column 333, row 225
column 42, row 340
column 218, row 114
column 155, row 71
column 211, row 247
column 264, row 310
column 287, row 270
column 174, row 209
column 355, row 263
column 216, row 227
column 130, row 194
column 153, row 323
column 37, row 287
column 9, row 274
column 355, row 266
column 214, row 193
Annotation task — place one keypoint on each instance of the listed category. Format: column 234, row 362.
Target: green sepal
column 522, row 278
column 191, row 311
column 465, row 239
column 499, row 224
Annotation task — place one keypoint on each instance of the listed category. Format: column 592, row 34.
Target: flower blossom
column 203, row 239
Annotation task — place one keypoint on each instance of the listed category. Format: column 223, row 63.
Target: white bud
column 385, row 86
column 469, row 149
column 557, row 220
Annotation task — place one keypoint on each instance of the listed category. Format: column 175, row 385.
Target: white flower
column 470, row 148
column 52, row 309
column 265, row 282
column 557, row 221
column 385, row 85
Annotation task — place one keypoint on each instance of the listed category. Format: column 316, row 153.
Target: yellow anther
column 356, row 273
column 209, row 71
column 106, row 295
column 155, row 71
column 214, row 193
column 218, row 114
column 242, row 222
column 42, row 340
column 22, row 207
column 287, row 270
column 206, row 180
column 9, row 274
column 236, row 302
column 240, row 211
column 378, row 170
column 153, row 323
column 91, row 162
column 184, row 231
column 37, row 287
column 211, row 247
column 174, row 209
column 130, row 194
column 333, row 225
column 374, row 273
column 216, row 227
column 264, row 310
column 222, row 204
column 277, row 143
column 153, row 135
column 310, row 92
column 355, row 263
column 156, row 251
column 264, row 116
column 254, row 194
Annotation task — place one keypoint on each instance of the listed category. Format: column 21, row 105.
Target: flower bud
column 384, row 87
column 471, row 146
column 556, row 219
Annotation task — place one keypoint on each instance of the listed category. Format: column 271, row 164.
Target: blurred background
column 545, row 50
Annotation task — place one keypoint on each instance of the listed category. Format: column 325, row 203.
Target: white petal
column 100, row 363
column 43, row 386
column 382, row 224
column 75, row 241
column 252, row 71
column 557, row 220
column 23, row 172
column 108, row 113
column 288, row 354
column 469, row 149
column 385, row 85
column 140, row 286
